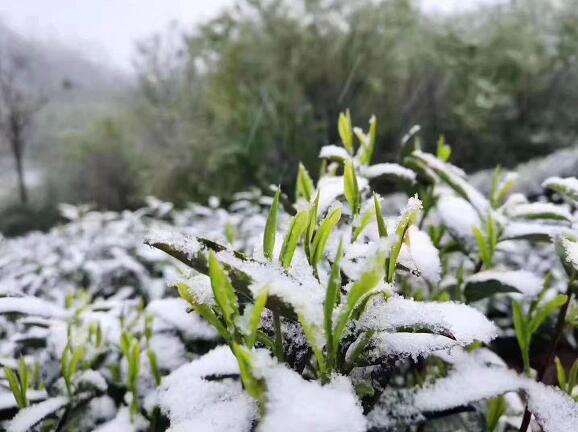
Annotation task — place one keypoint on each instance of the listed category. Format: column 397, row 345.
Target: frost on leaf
column 31, row 416
column 390, row 170
column 462, row 323
column 424, row 255
column 567, row 187
column 475, row 377
column 490, row 282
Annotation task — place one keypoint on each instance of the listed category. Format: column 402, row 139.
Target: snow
column 32, row 306
column 568, row 251
column 298, row 287
column 30, row 416
column 424, row 254
column 458, row 216
column 334, row 152
column 172, row 313
column 120, row 423
column 522, row 281
column 388, row 169
column 568, row 187
column 188, row 398
column 538, row 210
column 461, row 322
column 554, row 410
column 188, row 245
column 93, row 379
column 331, row 188
column 295, row 405
column 457, row 177
column 474, row 377
column 414, row 345
column 517, row 230
column 7, row 399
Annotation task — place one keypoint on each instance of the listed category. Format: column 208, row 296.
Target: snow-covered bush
column 332, row 311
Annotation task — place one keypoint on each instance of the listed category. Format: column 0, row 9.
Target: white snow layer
column 299, row 288
column 523, row 281
column 189, row 399
column 461, row 322
column 474, row 377
column 566, row 186
column 28, row 417
column 424, row 254
column 333, row 152
column 388, row 169
column 172, row 313
column 458, row 216
column 32, row 306
column 120, row 423
column 296, row 405
column 539, row 210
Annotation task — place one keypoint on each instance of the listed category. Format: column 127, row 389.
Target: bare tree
column 19, row 101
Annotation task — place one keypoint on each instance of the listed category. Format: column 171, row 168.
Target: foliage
column 354, row 312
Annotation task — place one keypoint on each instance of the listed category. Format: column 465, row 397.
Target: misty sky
column 107, row 29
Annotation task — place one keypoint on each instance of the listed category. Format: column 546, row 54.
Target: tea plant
column 374, row 313
column 330, row 309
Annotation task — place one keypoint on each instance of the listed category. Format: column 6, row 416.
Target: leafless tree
column 19, row 102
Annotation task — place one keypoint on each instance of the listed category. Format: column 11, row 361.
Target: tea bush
column 330, row 310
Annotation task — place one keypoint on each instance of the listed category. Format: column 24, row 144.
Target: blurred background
column 107, row 102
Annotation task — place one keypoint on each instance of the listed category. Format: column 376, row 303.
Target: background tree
column 19, row 101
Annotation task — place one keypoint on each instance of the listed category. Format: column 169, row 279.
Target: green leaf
column 271, row 227
column 332, row 300
column 497, row 407
column 407, row 218
column 134, row 367
column 203, row 310
column 224, row 292
column 346, row 131
column 14, row 384
column 230, row 232
column 351, row 187
column 476, row 289
column 24, row 376
column 381, row 227
column 362, row 288
column 297, row 229
column 78, row 356
column 365, row 221
column 304, row 187
column 572, row 377
column 522, row 333
column 311, row 228
column 154, row 364
column 566, row 247
column 444, row 151
column 317, row 351
column 560, row 373
column 255, row 387
column 372, row 140
column 545, row 311
column 255, row 320
column 566, row 187
column 483, row 246
column 323, row 233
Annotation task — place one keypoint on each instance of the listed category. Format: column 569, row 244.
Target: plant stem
column 557, row 336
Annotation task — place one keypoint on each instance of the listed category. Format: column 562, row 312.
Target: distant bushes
column 241, row 99
column 102, row 167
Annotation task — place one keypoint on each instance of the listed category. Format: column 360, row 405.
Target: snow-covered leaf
column 487, row 283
